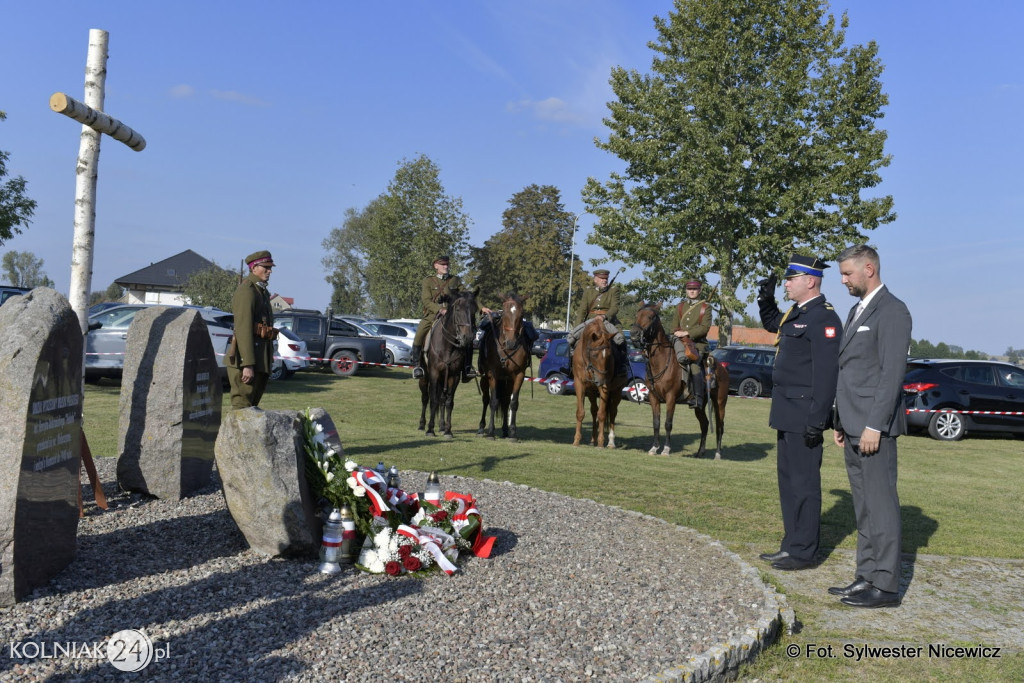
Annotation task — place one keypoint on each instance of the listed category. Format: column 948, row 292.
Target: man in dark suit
column 804, row 380
column 870, row 415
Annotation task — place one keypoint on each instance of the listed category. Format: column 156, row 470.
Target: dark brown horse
column 665, row 382
column 595, row 376
column 504, row 357
column 449, row 342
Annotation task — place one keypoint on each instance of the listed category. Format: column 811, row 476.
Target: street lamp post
column 568, row 302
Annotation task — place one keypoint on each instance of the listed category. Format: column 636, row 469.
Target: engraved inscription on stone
column 40, row 440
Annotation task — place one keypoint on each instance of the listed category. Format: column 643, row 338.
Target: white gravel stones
column 574, row 590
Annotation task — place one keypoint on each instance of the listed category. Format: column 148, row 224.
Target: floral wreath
column 403, row 532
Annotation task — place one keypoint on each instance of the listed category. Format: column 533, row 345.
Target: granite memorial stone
column 40, row 439
column 261, row 460
column 170, row 404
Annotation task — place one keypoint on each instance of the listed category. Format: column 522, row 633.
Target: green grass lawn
column 960, row 499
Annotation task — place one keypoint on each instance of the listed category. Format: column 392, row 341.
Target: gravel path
column 575, row 590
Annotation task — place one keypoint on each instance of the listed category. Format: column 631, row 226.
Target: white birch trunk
column 85, row 181
column 97, row 120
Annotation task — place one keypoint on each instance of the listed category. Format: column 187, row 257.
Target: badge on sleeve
column 830, row 332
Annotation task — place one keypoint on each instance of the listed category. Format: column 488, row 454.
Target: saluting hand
column 766, row 287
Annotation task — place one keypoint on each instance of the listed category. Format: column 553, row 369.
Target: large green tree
column 23, row 269
column 753, row 136
column 345, row 261
column 213, row 286
column 15, row 207
column 397, row 236
column 530, row 254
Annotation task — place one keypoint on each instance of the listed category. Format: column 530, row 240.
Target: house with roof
column 163, row 282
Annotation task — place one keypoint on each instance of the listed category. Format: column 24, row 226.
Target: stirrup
column 417, row 372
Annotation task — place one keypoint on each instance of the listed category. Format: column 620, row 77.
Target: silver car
column 397, row 338
column 107, row 340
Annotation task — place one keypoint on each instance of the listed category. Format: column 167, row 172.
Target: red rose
column 404, row 551
column 439, row 516
column 393, row 568
column 411, row 563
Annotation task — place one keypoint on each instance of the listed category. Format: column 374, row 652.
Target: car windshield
column 115, row 317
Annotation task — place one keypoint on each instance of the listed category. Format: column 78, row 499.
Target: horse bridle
column 646, row 339
column 453, row 338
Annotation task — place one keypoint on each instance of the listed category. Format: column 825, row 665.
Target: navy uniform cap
column 805, row 265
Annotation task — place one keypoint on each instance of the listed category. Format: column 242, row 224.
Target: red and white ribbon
column 433, row 540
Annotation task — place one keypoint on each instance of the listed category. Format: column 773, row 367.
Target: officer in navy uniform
column 805, row 375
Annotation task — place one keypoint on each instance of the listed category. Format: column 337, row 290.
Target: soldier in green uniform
column 251, row 352
column 437, row 290
column 693, row 322
column 600, row 299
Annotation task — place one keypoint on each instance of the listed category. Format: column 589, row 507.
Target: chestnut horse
column 665, row 382
column 504, row 357
column 596, row 378
column 449, row 341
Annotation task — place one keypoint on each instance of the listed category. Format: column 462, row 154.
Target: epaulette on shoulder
column 829, row 306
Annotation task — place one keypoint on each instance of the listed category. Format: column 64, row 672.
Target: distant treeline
column 925, row 349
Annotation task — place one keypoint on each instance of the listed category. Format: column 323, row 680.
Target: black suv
column 750, row 369
column 987, row 396
column 7, row 291
column 341, row 346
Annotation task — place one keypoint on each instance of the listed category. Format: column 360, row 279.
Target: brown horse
column 504, row 357
column 450, row 339
column 595, row 376
column 665, row 382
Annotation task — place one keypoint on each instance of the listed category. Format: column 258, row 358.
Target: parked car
column 556, row 369
column 987, row 395
column 339, row 346
column 7, row 291
column 750, row 369
column 397, row 339
column 103, row 305
column 107, row 339
column 540, row 347
column 291, row 355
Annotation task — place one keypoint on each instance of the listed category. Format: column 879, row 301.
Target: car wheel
column 637, row 391
column 344, row 363
column 556, row 383
column 389, row 358
column 277, row 371
column 749, row 387
column 947, row 426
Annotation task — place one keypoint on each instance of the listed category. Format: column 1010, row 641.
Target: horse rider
column 693, row 321
column 437, row 290
column 600, row 300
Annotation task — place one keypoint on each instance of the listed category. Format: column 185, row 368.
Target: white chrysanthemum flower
column 359, row 492
column 367, row 557
column 330, row 453
column 352, row 483
column 350, row 466
column 376, row 567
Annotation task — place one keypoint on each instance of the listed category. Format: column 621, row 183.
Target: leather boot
column 417, row 356
column 699, row 387
column 469, row 372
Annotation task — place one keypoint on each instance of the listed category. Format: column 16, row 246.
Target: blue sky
column 265, row 121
